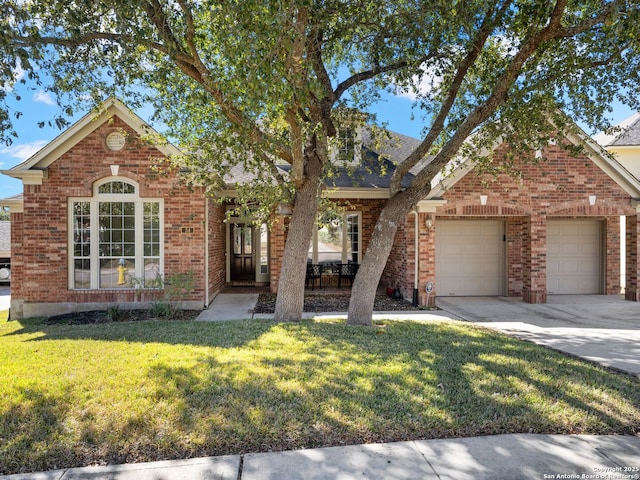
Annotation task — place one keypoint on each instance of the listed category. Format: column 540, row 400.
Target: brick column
column 427, row 258
column 277, row 239
column 632, row 289
column 612, row 255
column 534, row 259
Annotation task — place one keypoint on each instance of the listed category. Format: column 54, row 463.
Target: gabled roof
column 371, row 178
column 592, row 150
column 31, row 171
column 626, row 133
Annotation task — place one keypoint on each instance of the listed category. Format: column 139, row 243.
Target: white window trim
column 357, row 149
column 94, row 258
column 345, row 238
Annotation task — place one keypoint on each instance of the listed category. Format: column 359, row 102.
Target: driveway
column 603, row 329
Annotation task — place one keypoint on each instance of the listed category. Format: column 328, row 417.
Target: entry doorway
column 247, row 252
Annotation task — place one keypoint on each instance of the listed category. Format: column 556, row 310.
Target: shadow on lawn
column 268, row 386
column 376, row 387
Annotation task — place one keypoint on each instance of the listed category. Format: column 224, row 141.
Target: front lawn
column 75, row 395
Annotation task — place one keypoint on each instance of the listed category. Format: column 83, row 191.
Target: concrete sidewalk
column 519, row 456
column 237, row 306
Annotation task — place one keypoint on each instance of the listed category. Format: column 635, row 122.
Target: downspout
column 206, row 251
column 416, row 259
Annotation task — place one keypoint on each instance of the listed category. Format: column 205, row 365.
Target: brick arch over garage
column 602, row 209
column 492, row 209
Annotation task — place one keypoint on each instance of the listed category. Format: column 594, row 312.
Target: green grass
column 91, row 394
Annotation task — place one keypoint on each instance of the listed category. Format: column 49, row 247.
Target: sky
column 38, row 105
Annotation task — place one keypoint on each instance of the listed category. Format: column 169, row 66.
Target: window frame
column 345, row 239
column 94, row 232
column 338, row 147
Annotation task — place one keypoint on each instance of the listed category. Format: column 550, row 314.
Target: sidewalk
column 519, row 456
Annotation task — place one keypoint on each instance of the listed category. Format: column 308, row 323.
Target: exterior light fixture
column 285, row 208
column 483, row 199
column 592, row 200
column 428, row 223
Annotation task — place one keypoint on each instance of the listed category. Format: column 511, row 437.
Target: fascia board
column 14, row 206
column 353, row 193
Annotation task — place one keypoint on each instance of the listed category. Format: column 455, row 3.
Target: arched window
column 116, row 238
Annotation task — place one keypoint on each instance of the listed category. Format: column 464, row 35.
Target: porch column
column 534, row 259
column 278, row 238
column 632, row 289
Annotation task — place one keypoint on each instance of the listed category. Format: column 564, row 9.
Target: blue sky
column 38, row 105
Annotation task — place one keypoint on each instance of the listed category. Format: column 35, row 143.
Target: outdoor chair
column 314, row 272
column 347, row 271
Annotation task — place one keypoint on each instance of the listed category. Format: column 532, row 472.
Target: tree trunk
column 364, row 288
column 290, row 298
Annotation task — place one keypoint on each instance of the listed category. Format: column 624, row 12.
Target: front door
column 242, row 268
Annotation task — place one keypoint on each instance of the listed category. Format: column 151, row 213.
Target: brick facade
column 195, row 233
column 557, row 188
column 40, row 235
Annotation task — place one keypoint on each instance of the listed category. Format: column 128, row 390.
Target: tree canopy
column 263, row 82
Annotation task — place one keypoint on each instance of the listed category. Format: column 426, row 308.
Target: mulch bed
column 103, row 316
column 333, row 303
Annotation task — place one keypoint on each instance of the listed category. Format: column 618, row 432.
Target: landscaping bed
column 330, row 302
column 108, row 316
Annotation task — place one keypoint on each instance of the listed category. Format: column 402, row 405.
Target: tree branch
column 474, row 51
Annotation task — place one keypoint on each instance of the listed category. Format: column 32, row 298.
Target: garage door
column 573, row 257
column 469, row 257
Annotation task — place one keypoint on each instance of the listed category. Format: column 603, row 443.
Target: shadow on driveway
column 600, row 328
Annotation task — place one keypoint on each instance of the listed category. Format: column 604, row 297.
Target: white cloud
column 18, row 73
column 44, row 97
column 421, row 86
column 24, row 150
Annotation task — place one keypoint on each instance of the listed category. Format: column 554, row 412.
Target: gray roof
column 624, row 134
column 379, row 160
column 629, row 137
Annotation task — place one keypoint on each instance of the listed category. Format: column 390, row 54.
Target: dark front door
column 242, row 253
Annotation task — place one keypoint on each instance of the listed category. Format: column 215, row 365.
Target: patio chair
column 347, row 271
column 314, row 272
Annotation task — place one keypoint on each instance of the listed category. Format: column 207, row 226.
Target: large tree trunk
column 363, row 292
column 290, row 299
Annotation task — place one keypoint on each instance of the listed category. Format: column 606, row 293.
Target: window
column 346, row 148
column 336, row 239
column 116, row 238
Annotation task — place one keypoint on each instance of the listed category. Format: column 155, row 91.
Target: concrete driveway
column 603, row 329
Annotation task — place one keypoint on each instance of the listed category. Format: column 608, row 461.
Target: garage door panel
column 573, row 256
column 469, row 257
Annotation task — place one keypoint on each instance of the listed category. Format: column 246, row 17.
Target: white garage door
column 573, row 256
column 469, row 257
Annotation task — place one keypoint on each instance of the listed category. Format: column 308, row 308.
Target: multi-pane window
column 81, row 244
column 116, row 240
column 336, row 240
column 346, row 145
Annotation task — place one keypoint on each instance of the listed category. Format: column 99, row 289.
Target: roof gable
column 592, row 150
column 31, row 170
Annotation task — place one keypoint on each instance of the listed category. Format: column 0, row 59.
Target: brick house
column 95, row 223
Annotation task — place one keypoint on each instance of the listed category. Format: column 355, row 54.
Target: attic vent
column 115, row 141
